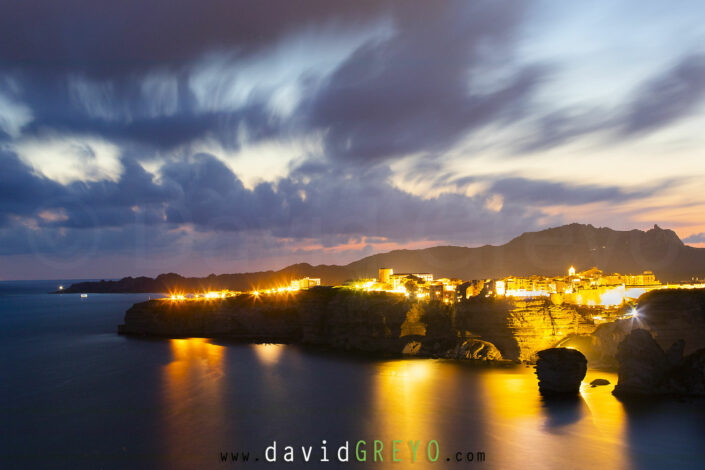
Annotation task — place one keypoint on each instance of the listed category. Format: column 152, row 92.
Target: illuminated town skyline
column 590, row 288
column 330, row 131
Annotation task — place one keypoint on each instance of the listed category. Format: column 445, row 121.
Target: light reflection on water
column 268, row 354
column 277, row 392
column 193, row 385
column 403, row 395
column 498, row 411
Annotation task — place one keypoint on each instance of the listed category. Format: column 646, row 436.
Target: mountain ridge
column 547, row 252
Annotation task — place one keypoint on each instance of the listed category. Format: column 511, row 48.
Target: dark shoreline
column 361, row 322
column 331, row 351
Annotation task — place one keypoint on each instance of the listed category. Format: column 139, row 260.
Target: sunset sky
column 140, row 137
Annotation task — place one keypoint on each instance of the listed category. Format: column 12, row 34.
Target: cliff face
column 353, row 321
column 521, row 328
column 372, row 322
column 386, row 323
column 238, row 317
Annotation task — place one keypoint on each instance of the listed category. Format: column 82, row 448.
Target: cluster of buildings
column 305, row 283
column 420, row 285
column 589, row 288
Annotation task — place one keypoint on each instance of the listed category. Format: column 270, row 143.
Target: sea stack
column 560, row 371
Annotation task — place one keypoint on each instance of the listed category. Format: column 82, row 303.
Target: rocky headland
column 343, row 319
column 482, row 328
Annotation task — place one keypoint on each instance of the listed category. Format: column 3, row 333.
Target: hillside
column 547, row 252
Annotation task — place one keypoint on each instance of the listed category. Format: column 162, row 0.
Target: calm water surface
column 73, row 394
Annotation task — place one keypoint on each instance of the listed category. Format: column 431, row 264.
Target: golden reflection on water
column 268, row 354
column 193, row 400
column 513, row 413
column 499, row 411
column 404, row 391
column 606, row 411
column 529, row 431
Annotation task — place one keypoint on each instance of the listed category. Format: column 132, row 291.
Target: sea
column 74, row 394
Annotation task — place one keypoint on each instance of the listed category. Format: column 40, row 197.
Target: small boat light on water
column 61, row 287
column 83, row 296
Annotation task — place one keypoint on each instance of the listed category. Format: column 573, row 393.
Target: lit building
column 305, row 283
column 401, row 278
column 500, row 288
column 647, row 278
column 385, row 275
column 436, row 292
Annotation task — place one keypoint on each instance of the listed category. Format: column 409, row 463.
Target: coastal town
column 589, row 288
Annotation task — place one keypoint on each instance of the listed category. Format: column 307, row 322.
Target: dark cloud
column 134, row 197
column 522, row 190
column 562, row 126
column 328, row 205
column 423, row 87
column 106, row 38
column 658, row 102
column 318, row 203
column 21, row 190
column 80, row 66
column 667, row 98
column 420, row 89
column 121, row 111
column 212, row 197
column 313, row 202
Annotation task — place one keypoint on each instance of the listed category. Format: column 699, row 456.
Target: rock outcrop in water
column 599, row 383
column 646, row 369
column 560, row 371
column 642, row 365
column 475, row 349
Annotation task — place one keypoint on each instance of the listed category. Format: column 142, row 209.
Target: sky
column 147, row 136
